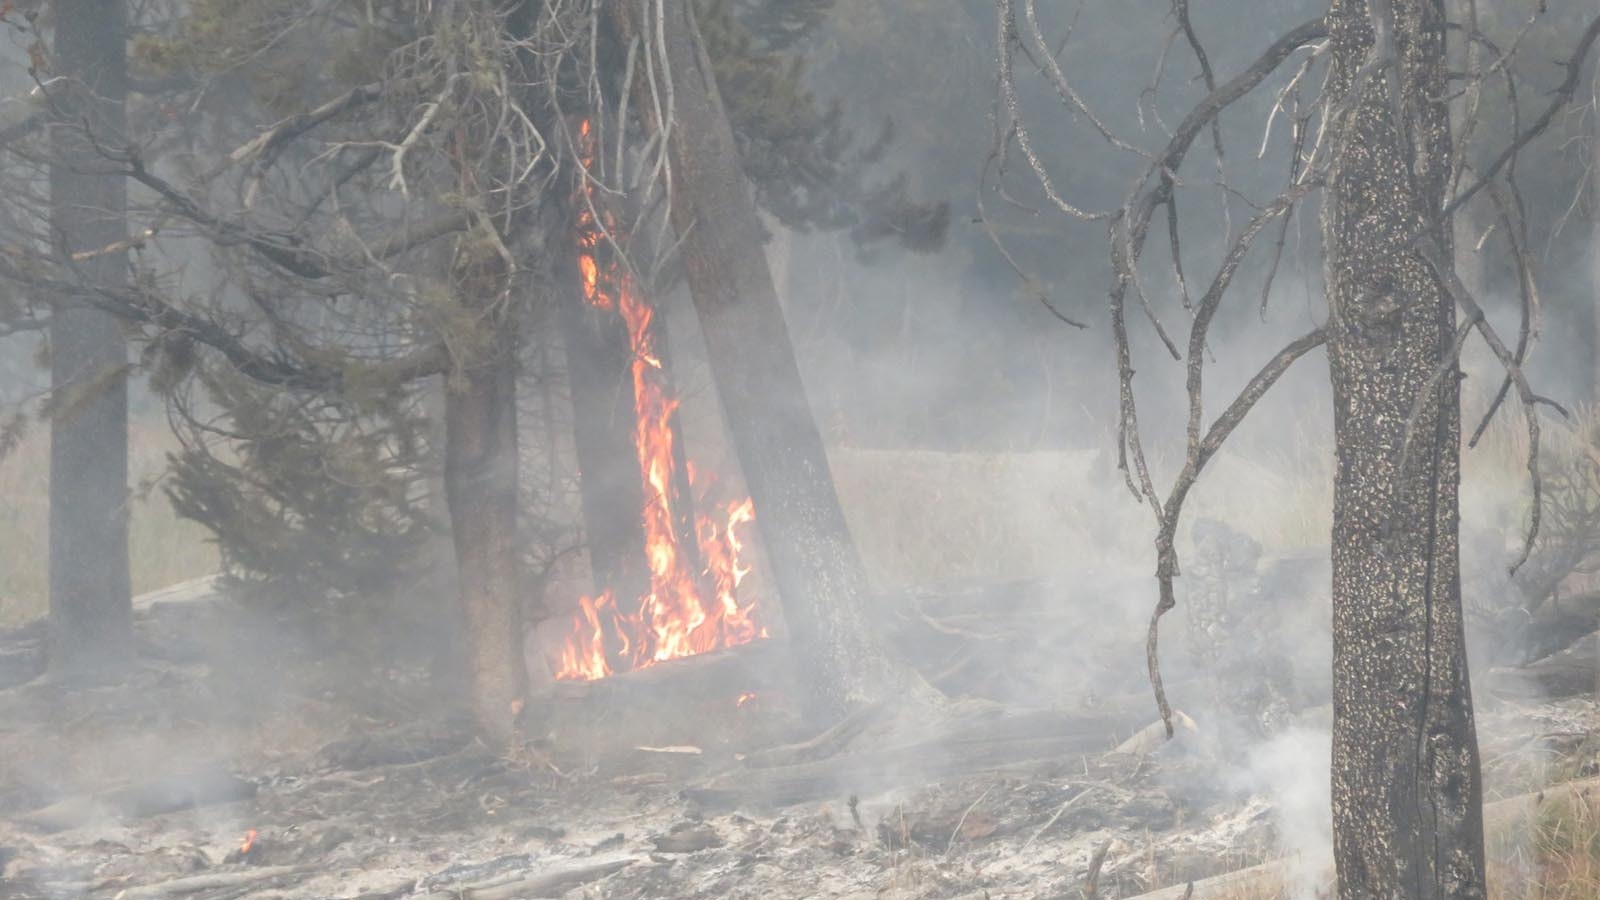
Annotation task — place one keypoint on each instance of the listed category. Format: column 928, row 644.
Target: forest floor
column 354, row 785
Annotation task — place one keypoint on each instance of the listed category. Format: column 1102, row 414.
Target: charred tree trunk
column 480, row 475
column 600, row 378
column 91, row 618
column 815, row 563
column 1407, row 796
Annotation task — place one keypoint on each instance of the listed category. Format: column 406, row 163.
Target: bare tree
column 1377, row 141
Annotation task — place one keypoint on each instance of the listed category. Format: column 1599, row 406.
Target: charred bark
column 815, row 563
column 598, row 375
column 91, row 616
column 1407, row 795
column 480, row 474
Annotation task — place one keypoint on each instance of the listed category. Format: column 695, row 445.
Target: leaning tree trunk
column 91, row 618
column 815, row 564
column 480, row 475
column 1407, row 798
column 599, row 375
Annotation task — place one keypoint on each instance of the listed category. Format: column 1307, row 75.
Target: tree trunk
column 91, row 618
column 815, row 564
column 1407, row 797
column 599, row 375
column 480, row 476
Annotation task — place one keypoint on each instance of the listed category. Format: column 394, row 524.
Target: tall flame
column 684, row 612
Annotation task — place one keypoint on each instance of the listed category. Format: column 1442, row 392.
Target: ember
column 685, row 611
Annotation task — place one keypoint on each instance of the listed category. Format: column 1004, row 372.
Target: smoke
column 1292, row 769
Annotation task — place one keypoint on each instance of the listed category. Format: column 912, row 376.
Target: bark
column 480, row 476
column 815, row 563
column 599, row 377
column 1407, row 796
column 91, row 618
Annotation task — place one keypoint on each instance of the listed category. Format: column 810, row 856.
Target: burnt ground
column 356, row 786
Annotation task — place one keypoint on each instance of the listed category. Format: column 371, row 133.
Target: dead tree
column 1377, row 140
column 1407, row 795
column 815, row 563
column 91, row 618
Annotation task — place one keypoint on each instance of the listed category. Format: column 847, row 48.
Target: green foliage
column 807, row 167
column 318, row 495
column 274, row 49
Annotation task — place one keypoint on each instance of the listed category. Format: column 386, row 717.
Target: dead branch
column 1091, row 881
column 195, row 884
column 1060, row 811
column 1563, row 95
column 1434, row 256
column 549, row 884
column 1527, row 294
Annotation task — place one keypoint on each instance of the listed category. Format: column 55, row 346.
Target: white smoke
column 1291, row 768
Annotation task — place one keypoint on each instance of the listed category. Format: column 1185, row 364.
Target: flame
column 249, row 841
column 745, row 698
column 684, row 612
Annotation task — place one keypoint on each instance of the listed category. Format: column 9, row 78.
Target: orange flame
column 249, row 841
column 684, row 612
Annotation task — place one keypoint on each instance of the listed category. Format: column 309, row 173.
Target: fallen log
column 155, row 797
column 396, row 746
column 1567, row 673
column 547, row 884
column 719, row 673
column 1560, row 622
column 695, row 700
column 972, row 746
column 195, row 884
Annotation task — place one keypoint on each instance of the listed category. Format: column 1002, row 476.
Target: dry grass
column 926, row 516
column 1557, row 858
column 163, row 549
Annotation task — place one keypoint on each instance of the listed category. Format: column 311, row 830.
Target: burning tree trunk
column 91, row 628
column 480, row 474
column 1406, row 792
column 815, row 563
column 598, row 356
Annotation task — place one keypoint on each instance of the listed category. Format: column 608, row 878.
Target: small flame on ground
column 249, row 841
column 684, row 612
column 745, row 698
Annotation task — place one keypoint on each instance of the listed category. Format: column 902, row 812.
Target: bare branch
column 1563, row 96
column 1166, row 554
column 1458, row 292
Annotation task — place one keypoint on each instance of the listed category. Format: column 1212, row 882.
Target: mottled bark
column 1406, row 790
column 91, row 632
column 480, row 476
column 815, row 563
